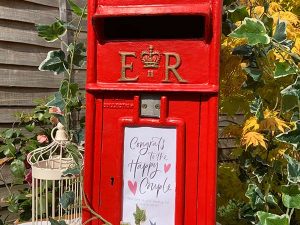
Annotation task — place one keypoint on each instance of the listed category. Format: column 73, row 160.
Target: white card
column 149, row 174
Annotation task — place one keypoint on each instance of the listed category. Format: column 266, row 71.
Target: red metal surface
column 190, row 106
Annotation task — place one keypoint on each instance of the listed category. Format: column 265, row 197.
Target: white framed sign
column 149, row 174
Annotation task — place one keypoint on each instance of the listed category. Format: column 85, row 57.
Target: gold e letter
column 125, row 66
column 173, row 68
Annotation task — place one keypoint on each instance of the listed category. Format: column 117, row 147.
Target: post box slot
column 153, row 27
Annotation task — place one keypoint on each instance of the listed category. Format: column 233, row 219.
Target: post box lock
column 150, row 106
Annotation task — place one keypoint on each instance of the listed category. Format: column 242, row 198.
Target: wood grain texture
column 19, row 32
column 18, row 10
column 52, row 3
column 23, row 96
column 20, row 77
column 8, row 113
column 21, row 54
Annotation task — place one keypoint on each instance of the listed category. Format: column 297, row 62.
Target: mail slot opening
column 153, row 27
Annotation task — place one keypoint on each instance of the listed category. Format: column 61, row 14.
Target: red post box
column 152, row 109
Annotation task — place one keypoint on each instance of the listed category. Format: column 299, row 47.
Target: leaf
column 51, row 32
column 283, row 69
column 30, row 127
column 256, row 108
column 270, row 199
column 74, row 151
column 291, row 196
column 280, row 32
column 272, row 123
column 79, row 57
column 67, row 199
column 268, row 22
column 72, row 171
column 253, row 138
column 252, row 84
column 291, row 137
column 253, row 72
column 293, row 169
column 10, row 150
column 289, row 102
column 238, row 14
column 54, row 62
column 253, row 30
column 56, row 222
column 65, row 87
column 251, row 124
column 57, row 101
column 255, row 195
column 17, row 168
column 9, row 133
column 293, row 89
column 139, row 215
column 243, row 50
column 272, row 219
column 78, row 10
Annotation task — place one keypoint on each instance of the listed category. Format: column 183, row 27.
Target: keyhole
column 112, row 181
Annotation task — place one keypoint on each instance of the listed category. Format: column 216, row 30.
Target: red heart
column 167, row 167
column 132, row 186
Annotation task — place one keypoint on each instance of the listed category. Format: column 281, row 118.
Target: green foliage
column 266, row 77
column 67, row 199
column 51, row 32
column 54, row 62
column 253, row 30
column 272, row 219
column 139, row 215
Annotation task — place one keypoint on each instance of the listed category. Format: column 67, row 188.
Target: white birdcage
column 48, row 183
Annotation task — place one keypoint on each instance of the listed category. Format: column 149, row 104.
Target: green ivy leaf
column 238, row 14
column 56, row 222
column 291, row 196
column 10, row 150
column 67, row 199
column 280, row 32
column 57, row 101
column 253, row 30
column 78, row 10
column 139, row 215
column 256, row 107
column 72, row 171
column 270, row 199
column 255, row 195
column 74, row 151
column 243, row 50
column 51, row 32
column 291, row 137
column 30, row 127
column 293, row 169
column 9, row 133
column 253, row 72
column 289, row 102
column 283, row 69
column 79, row 52
column 17, row 168
column 268, row 22
column 54, row 62
column 272, row 219
column 293, row 89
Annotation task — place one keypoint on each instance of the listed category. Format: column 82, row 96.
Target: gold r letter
column 126, row 66
column 173, row 68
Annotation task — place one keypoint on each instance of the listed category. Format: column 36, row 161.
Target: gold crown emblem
column 150, row 59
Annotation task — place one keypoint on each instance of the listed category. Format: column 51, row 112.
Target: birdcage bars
column 48, row 183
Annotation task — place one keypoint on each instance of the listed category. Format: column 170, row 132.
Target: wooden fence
column 21, row 52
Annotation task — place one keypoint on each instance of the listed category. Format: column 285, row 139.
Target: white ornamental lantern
column 49, row 185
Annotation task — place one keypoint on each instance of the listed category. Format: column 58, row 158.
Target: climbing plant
column 260, row 78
